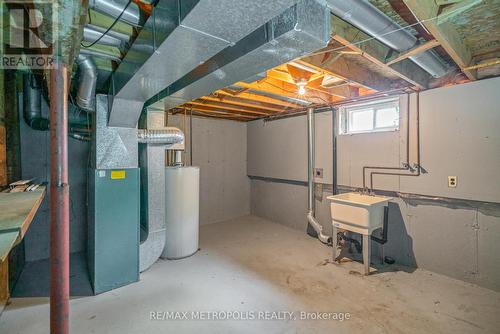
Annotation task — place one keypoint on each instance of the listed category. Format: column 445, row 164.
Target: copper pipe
column 59, row 201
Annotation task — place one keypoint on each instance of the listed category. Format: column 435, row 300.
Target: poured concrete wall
column 220, row 150
column 459, row 137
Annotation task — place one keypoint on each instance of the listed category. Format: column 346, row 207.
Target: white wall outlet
column 452, row 181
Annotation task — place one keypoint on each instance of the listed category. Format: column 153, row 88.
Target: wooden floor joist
column 226, row 106
column 414, row 51
column 426, row 11
column 373, row 50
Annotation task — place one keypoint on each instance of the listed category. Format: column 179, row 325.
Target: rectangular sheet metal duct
column 300, row 30
column 177, row 37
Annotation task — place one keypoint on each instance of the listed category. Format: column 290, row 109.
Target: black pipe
column 32, row 107
column 32, row 104
column 383, row 240
column 334, row 153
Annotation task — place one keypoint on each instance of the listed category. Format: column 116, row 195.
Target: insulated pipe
column 310, row 184
column 59, row 201
column 85, row 97
column 375, row 23
column 113, row 8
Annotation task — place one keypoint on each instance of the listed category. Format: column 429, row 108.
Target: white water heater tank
column 182, row 197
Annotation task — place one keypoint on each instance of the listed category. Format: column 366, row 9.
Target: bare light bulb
column 302, row 90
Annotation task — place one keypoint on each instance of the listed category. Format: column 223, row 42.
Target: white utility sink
column 357, row 212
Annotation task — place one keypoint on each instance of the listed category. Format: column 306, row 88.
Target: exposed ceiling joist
column 376, row 52
column 426, row 11
column 244, row 102
column 275, row 86
column 343, row 68
column 225, row 106
column 314, row 83
column 414, row 51
column 287, row 86
column 226, row 116
column 271, row 102
column 225, row 111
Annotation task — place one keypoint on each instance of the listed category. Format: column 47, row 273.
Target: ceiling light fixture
column 302, row 87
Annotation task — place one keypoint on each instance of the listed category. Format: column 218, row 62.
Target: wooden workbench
column 16, row 214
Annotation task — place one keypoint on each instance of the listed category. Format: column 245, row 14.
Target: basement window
column 373, row 116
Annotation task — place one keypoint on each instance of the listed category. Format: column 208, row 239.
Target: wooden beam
column 426, row 11
column 314, row 84
column 278, row 87
column 244, row 102
column 414, row 51
column 486, row 63
column 227, row 106
column 227, row 116
column 288, row 85
column 259, row 98
column 455, row 9
column 223, row 109
column 350, row 71
column 376, row 52
column 4, row 283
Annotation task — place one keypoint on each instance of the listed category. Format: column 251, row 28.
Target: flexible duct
column 167, row 136
column 85, row 97
column 318, row 229
column 375, row 23
column 113, row 8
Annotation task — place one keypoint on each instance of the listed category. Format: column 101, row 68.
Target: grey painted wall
column 35, row 163
column 459, row 137
column 220, row 150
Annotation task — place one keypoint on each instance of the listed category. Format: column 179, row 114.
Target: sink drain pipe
column 314, row 228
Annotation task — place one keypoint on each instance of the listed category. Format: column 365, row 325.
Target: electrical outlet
column 452, row 181
column 318, row 172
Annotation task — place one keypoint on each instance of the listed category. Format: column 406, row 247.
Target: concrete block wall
column 459, row 137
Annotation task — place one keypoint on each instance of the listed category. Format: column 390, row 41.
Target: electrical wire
column 109, row 28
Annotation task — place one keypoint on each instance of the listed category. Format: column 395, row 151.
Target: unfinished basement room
column 249, row 166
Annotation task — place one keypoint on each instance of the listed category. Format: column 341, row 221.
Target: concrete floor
column 252, row 265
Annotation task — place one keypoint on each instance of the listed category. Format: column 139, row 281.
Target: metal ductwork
column 156, row 139
column 99, row 54
column 165, row 136
column 301, row 29
column 114, row 8
column 176, row 38
column 85, row 97
column 93, row 33
column 375, row 23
